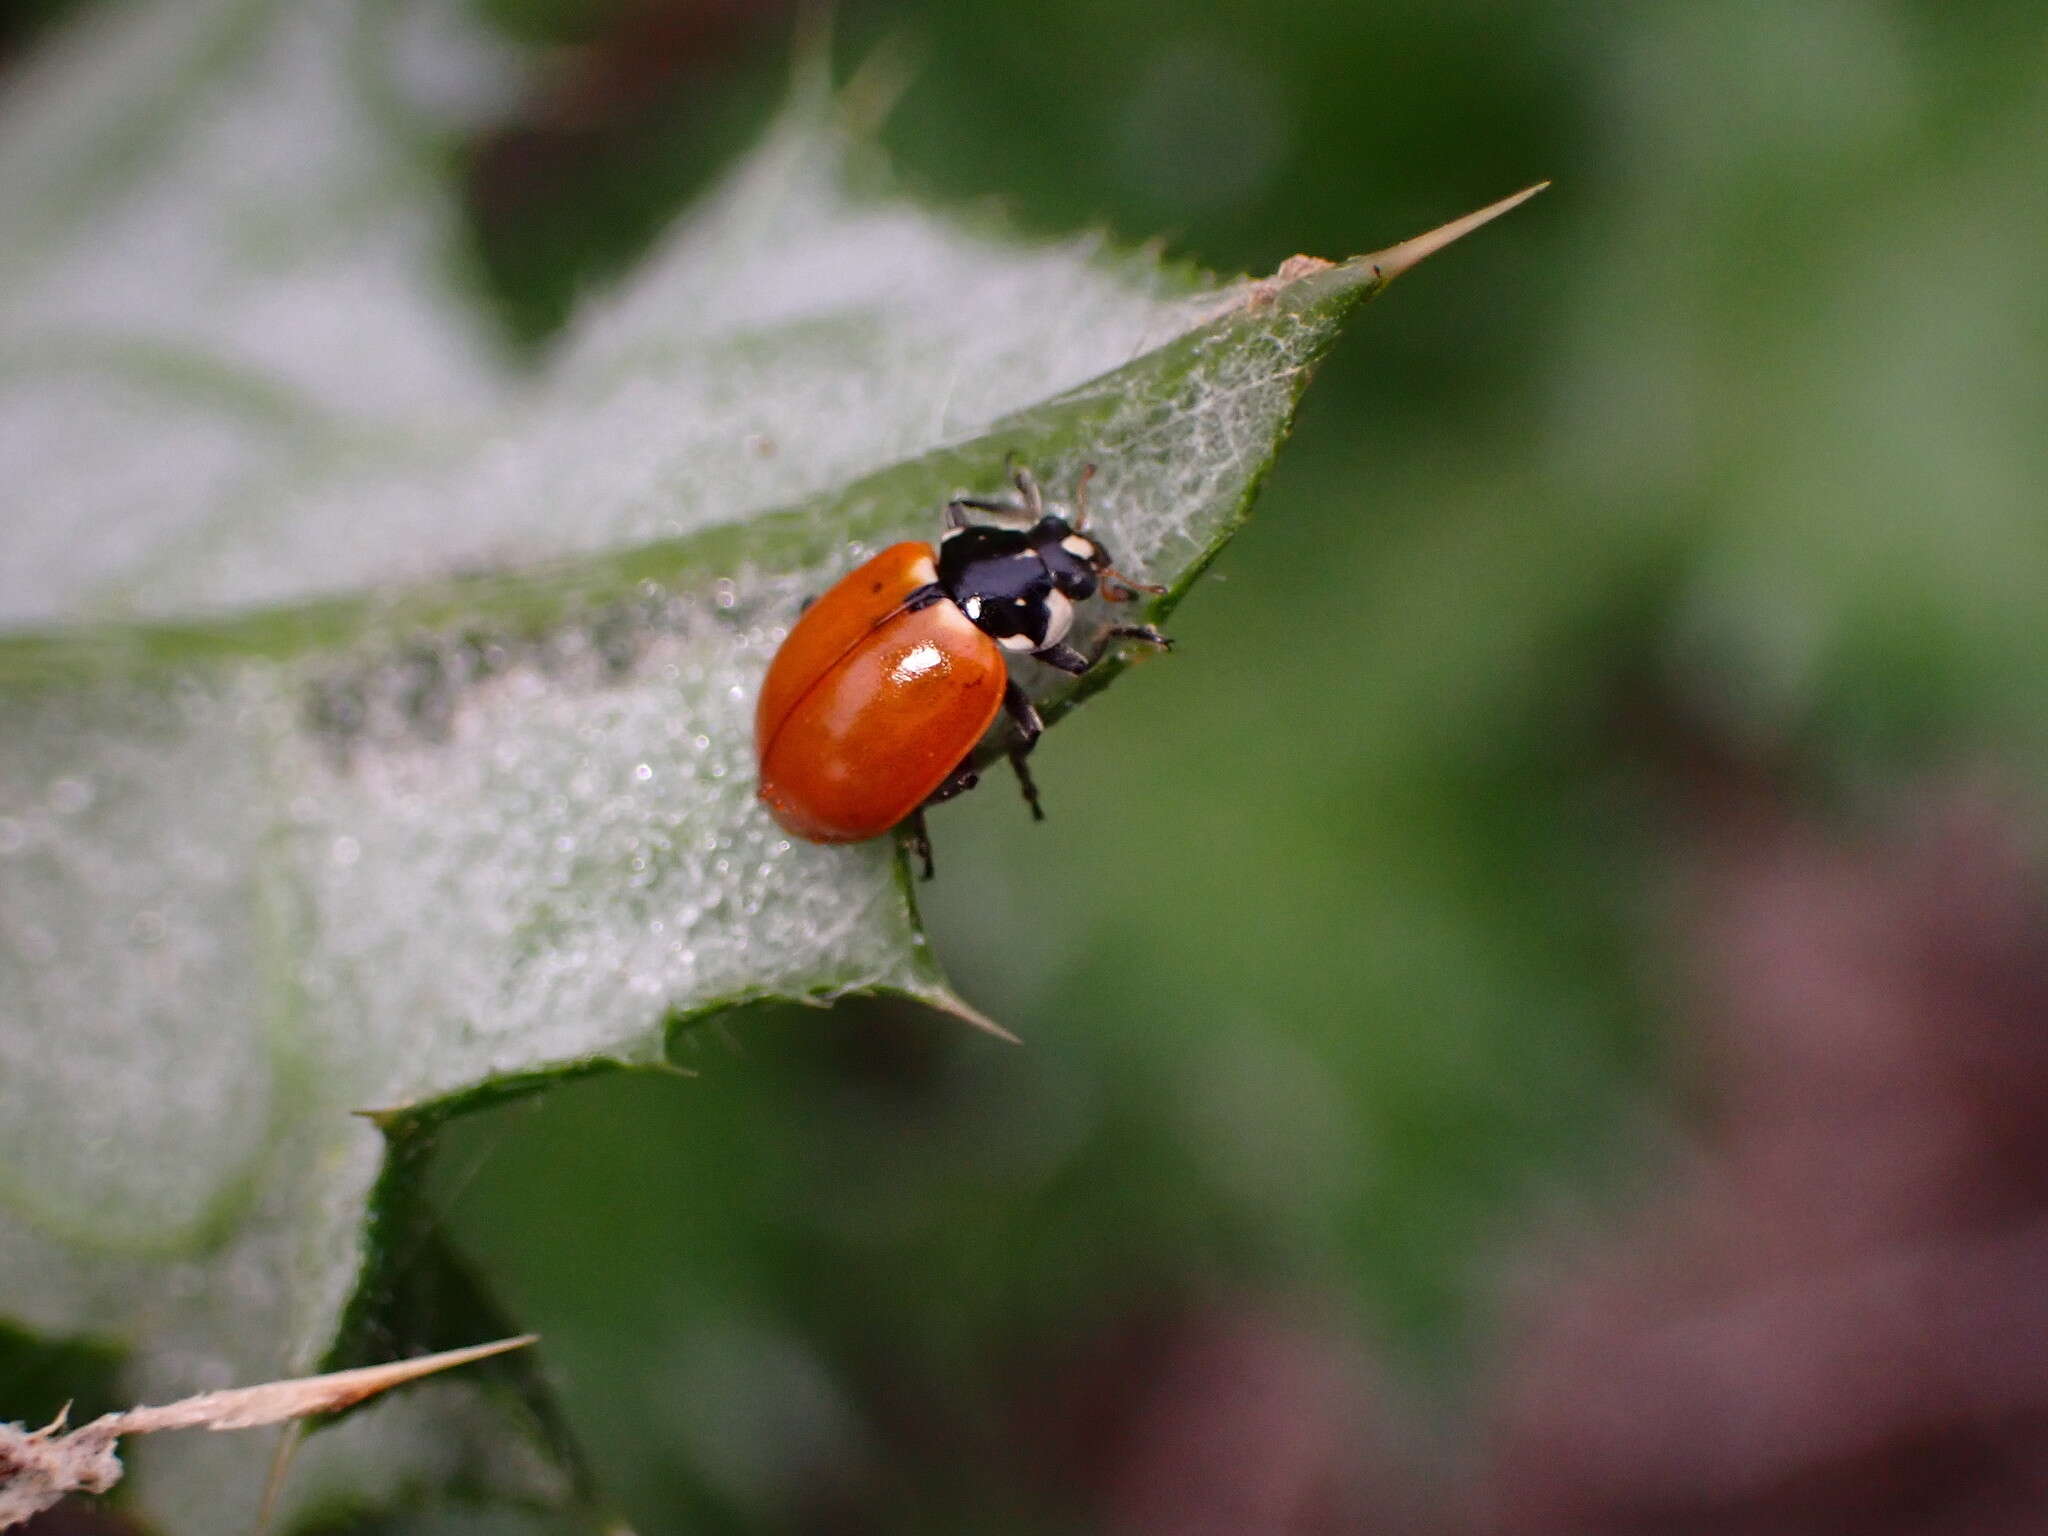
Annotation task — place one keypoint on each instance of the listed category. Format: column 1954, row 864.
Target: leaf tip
column 948, row 1002
column 1396, row 259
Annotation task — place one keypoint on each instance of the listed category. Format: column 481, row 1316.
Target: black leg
column 1029, row 728
column 1029, row 501
column 920, row 840
column 1023, row 714
column 958, row 782
column 958, row 508
column 1025, row 783
column 1144, row 632
column 1067, row 659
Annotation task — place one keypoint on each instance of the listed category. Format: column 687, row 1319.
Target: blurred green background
column 1354, row 963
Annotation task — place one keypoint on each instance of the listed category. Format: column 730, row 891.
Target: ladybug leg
column 958, row 782
column 1116, row 632
column 958, row 508
column 1067, row 659
column 1027, row 487
column 1024, row 716
column 1026, row 785
column 1028, row 503
column 920, row 840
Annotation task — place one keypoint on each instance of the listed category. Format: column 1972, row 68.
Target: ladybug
column 873, row 707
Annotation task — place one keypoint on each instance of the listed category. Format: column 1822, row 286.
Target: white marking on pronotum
column 973, row 607
column 1080, row 548
column 1059, row 617
column 1016, row 642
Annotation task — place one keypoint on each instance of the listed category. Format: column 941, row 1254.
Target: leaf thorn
column 949, row 1002
column 1396, row 259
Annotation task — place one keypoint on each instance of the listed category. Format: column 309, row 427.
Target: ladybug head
column 1073, row 559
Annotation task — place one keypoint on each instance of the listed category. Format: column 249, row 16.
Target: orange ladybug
column 874, row 705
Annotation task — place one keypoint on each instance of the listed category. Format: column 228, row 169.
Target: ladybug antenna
column 1081, row 495
column 1119, row 588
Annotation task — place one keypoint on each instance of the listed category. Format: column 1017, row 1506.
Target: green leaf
column 375, row 713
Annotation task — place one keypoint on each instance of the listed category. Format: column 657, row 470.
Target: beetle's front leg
column 1067, row 659
column 1144, row 632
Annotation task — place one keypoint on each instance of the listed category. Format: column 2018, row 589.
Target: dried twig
column 40, row 1466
